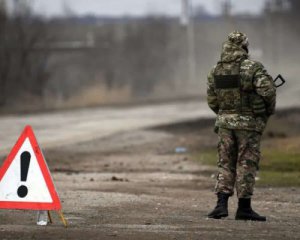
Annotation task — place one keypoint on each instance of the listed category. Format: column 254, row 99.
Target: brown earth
column 135, row 186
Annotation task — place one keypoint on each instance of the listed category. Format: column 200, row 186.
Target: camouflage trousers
column 239, row 154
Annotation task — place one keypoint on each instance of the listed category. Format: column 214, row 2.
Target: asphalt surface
column 75, row 126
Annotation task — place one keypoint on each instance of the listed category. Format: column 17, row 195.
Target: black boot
column 221, row 210
column 245, row 212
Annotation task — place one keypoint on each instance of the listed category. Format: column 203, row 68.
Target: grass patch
column 278, row 167
column 207, row 157
column 280, row 161
column 278, row 179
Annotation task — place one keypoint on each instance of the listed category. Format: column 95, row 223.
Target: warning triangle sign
column 25, row 180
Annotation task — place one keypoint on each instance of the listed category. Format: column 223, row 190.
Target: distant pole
column 187, row 21
column 184, row 20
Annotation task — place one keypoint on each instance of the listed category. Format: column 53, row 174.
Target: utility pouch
column 258, row 105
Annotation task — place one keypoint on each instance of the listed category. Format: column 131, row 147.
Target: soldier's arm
column 211, row 94
column 265, row 87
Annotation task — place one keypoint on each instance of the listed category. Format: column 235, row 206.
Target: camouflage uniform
column 242, row 94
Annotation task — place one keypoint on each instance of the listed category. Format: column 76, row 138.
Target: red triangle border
column 55, row 205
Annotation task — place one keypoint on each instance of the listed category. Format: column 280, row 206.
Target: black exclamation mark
column 25, row 161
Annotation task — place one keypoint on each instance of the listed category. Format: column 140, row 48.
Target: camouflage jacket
column 247, row 105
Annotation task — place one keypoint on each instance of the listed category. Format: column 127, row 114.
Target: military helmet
column 238, row 38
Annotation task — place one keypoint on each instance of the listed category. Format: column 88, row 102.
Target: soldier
column 243, row 95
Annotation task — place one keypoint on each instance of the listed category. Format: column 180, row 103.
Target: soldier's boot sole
column 251, row 216
column 217, row 214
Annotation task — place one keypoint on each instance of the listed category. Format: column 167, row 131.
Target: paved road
column 72, row 126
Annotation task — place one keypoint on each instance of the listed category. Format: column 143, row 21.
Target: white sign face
column 23, row 181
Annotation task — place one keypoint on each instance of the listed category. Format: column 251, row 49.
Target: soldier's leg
column 226, row 176
column 227, row 151
column 247, row 165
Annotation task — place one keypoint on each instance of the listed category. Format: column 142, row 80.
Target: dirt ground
column 135, row 186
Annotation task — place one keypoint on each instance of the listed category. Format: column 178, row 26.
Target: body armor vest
column 235, row 91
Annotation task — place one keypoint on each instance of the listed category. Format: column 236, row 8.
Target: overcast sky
column 137, row 7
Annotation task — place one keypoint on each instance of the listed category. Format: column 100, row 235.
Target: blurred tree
column 4, row 53
column 22, row 65
column 199, row 12
column 279, row 6
column 226, row 7
column 294, row 6
column 145, row 49
column 2, row 6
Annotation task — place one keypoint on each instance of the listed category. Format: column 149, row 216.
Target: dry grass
column 93, row 96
